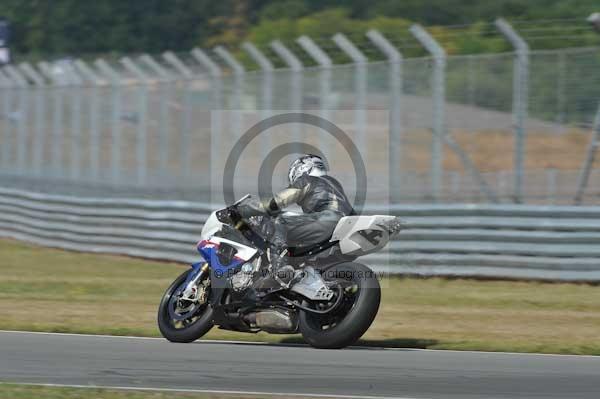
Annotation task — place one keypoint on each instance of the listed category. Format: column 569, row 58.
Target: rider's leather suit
column 323, row 202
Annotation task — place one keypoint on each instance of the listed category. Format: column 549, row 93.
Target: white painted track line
column 207, row 391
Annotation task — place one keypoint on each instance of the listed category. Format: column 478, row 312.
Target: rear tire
column 191, row 332
column 359, row 314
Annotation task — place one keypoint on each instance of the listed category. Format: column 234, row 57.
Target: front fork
column 195, row 276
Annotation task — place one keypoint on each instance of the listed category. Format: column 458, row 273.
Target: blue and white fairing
column 209, row 245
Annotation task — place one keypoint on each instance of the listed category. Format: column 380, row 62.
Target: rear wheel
column 185, row 319
column 353, row 315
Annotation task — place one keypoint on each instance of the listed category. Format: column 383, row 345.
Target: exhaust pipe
column 273, row 321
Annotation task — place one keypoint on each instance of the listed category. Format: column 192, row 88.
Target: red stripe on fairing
column 206, row 242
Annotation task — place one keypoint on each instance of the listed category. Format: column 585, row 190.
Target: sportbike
column 330, row 298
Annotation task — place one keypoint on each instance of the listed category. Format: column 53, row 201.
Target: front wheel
column 185, row 319
column 354, row 314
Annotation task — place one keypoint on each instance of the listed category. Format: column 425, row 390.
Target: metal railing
column 510, row 241
column 152, row 125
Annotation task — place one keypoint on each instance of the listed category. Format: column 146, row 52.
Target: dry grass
column 489, row 150
column 493, row 151
column 490, row 315
column 15, row 391
column 51, row 290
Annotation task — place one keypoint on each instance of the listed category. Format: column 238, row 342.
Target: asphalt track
column 212, row 366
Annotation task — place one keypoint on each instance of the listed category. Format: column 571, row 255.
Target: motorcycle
column 330, row 299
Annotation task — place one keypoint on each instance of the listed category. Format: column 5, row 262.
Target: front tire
column 353, row 317
column 187, row 330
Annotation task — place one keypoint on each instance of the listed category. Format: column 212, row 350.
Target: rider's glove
column 250, row 208
column 272, row 208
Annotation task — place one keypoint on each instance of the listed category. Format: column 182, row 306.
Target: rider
column 321, row 198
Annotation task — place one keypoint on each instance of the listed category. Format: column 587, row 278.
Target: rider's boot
column 278, row 276
column 280, row 273
column 283, row 271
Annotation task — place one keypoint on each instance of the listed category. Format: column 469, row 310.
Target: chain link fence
column 154, row 126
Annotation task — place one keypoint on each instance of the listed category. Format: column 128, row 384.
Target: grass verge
column 18, row 391
column 45, row 289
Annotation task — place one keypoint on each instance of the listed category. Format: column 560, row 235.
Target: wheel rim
column 322, row 322
column 183, row 313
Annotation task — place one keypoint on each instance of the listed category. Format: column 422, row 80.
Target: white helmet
column 312, row 165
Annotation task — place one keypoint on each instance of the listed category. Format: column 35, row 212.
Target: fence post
column 472, row 75
column 178, row 65
column 551, row 186
column 360, row 88
column 520, row 99
column 325, row 64
column 439, row 103
column 236, row 67
column 267, row 70
column 238, row 87
column 395, row 76
column 586, row 168
column 94, row 121
column 115, row 145
column 57, row 118
column 37, row 153
column 165, row 116
column 76, row 84
column 22, row 87
column 143, row 81
column 296, row 86
column 216, row 122
column 217, row 88
column 7, row 86
column 186, row 125
column 215, row 73
column 267, row 88
column 561, row 88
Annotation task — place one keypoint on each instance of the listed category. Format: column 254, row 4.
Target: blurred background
column 477, row 121
column 116, row 118
column 488, row 101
